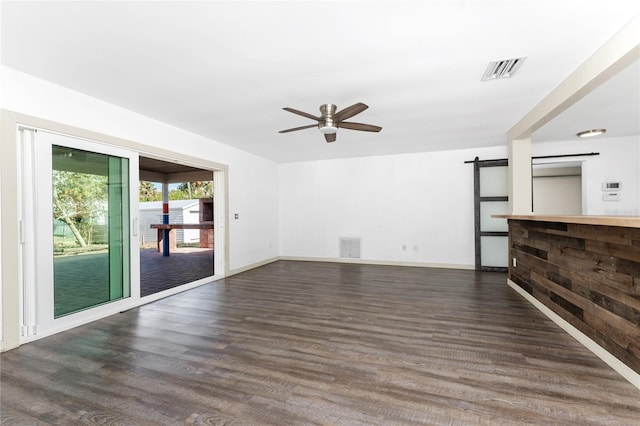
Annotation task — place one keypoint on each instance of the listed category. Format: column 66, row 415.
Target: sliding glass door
column 90, row 216
column 77, row 225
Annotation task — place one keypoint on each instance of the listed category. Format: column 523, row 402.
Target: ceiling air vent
column 503, row 68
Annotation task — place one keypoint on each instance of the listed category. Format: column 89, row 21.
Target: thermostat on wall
column 611, row 196
column 611, row 186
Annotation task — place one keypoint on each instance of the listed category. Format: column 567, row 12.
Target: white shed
column 180, row 211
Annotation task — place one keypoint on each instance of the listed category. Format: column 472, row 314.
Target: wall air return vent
column 350, row 248
column 503, row 68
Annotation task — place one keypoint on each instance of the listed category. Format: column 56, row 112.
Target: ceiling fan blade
column 359, row 126
column 298, row 128
column 302, row 113
column 330, row 137
column 349, row 112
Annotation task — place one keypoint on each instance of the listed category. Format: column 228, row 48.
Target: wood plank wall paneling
column 587, row 274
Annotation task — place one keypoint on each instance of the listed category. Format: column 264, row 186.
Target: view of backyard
column 81, row 240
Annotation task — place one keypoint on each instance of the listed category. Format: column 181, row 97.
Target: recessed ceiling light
column 591, row 133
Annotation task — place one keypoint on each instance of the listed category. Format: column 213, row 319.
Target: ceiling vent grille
column 350, row 248
column 503, row 68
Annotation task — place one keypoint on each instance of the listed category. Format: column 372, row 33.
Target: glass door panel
column 494, row 181
column 90, row 213
column 495, row 251
column 79, row 233
column 489, row 223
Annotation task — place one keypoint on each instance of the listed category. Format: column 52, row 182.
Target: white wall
column 421, row 201
column 557, row 195
column 618, row 161
column 253, row 189
column 253, row 184
column 190, row 215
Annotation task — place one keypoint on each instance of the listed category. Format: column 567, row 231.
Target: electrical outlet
column 404, row 247
column 415, row 248
column 514, row 262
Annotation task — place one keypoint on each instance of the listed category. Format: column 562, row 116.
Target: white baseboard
column 251, row 266
column 379, row 262
column 599, row 351
column 4, row 347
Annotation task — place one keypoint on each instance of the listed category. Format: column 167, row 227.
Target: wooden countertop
column 204, row 225
column 624, row 221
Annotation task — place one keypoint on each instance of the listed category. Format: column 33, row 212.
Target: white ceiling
column 225, row 69
column 614, row 106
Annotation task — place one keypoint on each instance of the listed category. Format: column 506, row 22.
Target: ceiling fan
column 330, row 121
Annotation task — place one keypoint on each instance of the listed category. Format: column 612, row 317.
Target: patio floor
column 82, row 281
column 184, row 265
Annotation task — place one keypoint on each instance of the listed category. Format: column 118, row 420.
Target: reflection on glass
column 90, row 231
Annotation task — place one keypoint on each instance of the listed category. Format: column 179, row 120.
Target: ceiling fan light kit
column 328, row 129
column 330, row 121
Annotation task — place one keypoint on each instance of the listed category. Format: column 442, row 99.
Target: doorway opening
column 176, row 212
column 557, row 188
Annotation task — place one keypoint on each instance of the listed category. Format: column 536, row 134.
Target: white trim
column 81, row 318
column 220, row 221
column 380, row 262
column 115, row 308
column 1, row 281
column 175, row 290
column 27, row 216
column 599, row 351
column 40, row 300
column 251, row 266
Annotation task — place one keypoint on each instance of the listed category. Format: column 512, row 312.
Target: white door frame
column 220, row 236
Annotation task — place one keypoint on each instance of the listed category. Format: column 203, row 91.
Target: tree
column 200, row 189
column 79, row 200
column 149, row 192
column 184, row 191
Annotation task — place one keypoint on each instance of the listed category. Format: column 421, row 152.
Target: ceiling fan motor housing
column 327, row 124
column 329, row 120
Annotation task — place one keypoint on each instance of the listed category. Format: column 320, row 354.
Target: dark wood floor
column 295, row 343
